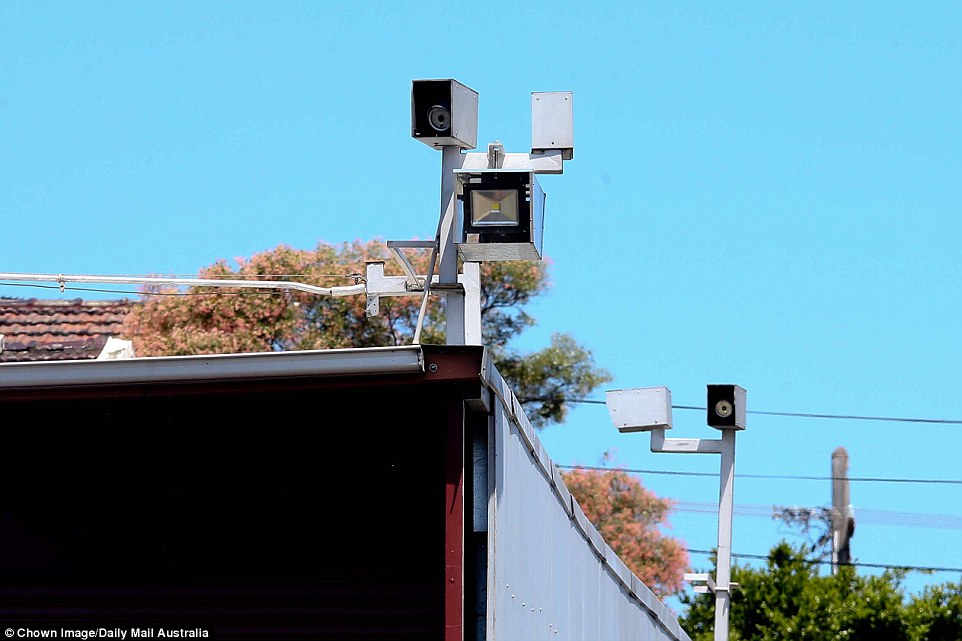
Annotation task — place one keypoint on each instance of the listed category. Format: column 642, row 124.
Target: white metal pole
column 726, row 448
column 471, row 279
column 448, row 263
column 725, row 509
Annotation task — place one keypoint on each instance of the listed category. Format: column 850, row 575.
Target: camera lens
column 723, row 409
column 440, row 118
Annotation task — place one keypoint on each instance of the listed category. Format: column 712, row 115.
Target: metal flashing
column 581, row 522
column 564, row 495
column 596, row 540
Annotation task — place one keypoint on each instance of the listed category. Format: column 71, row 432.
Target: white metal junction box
column 552, row 122
column 641, row 409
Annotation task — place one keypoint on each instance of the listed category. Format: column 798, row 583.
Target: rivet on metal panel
column 432, row 367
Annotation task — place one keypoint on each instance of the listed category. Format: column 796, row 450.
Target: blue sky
column 765, row 194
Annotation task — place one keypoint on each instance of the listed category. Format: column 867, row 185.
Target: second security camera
column 444, row 113
column 726, row 407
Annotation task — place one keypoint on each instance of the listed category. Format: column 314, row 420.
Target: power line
column 883, row 566
column 791, row 477
column 598, row 468
column 840, row 417
column 864, row 516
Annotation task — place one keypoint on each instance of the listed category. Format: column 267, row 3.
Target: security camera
column 444, row 113
column 726, row 407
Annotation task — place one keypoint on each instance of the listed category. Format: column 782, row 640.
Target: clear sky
column 765, row 194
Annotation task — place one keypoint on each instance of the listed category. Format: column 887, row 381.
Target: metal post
column 725, row 508
column 649, row 410
column 448, row 264
column 842, row 523
column 471, row 279
column 721, row 585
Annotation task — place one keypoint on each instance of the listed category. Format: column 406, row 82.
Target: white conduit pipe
column 63, row 279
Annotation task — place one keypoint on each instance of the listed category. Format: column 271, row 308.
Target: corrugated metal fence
column 551, row 576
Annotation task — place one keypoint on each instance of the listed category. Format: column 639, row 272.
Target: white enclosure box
column 552, row 122
column 641, row 409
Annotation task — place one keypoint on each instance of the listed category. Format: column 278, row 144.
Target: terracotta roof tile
column 58, row 330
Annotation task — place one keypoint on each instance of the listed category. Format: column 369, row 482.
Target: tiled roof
column 58, row 330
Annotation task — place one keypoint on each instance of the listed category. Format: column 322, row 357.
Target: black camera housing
column 444, row 113
column 726, row 407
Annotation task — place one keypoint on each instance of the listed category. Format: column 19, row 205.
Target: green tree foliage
column 936, row 613
column 788, row 599
column 628, row 517
column 209, row 321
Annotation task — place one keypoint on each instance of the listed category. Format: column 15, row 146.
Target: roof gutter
column 213, row 368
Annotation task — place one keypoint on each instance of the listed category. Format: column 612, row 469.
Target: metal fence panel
column 551, row 576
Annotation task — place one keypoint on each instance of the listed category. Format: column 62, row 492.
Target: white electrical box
column 552, row 125
column 641, row 409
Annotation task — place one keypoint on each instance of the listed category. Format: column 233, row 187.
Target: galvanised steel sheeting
column 550, row 574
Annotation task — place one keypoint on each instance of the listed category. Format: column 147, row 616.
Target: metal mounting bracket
column 380, row 285
column 395, row 247
column 495, row 155
column 704, row 583
column 549, row 162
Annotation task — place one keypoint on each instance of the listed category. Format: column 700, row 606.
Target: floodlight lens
column 494, row 207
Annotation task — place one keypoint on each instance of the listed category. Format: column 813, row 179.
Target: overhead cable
column 883, row 566
column 842, row 417
column 864, row 516
column 791, row 477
